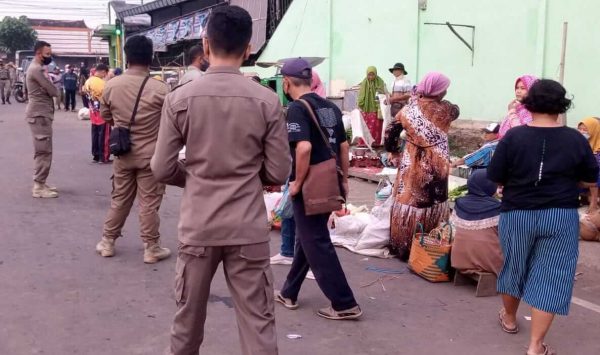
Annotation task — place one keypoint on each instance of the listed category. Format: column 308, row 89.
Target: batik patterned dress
column 421, row 189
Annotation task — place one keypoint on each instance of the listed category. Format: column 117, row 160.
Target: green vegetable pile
column 457, row 192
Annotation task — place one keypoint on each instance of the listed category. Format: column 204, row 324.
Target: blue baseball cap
column 297, row 68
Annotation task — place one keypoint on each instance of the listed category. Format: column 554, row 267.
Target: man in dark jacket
column 70, row 80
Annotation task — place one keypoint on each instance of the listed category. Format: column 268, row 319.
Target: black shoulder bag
column 120, row 138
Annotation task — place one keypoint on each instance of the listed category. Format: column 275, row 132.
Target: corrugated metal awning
column 152, row 6
column 258, row 10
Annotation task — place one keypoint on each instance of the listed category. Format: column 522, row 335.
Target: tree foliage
column 16, row 34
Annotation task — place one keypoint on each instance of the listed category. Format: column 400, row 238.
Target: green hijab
column 367, row 101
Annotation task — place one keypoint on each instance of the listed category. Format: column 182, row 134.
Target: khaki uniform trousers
column 5, row 86
column 41, row 132
column 132, row 177
column 250, row 281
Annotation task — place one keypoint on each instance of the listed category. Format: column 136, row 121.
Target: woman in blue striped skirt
column 540, row 166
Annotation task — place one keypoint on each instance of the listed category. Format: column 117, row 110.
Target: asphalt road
column 58, row 297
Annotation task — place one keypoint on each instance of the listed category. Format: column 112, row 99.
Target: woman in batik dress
column 421, row 188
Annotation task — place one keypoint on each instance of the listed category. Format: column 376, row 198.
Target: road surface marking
column 585, row 304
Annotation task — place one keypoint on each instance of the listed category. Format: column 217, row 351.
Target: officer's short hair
column 39, row 45
column 139, row 50
column 195, row 52
column 102, row 67
column 229, row 30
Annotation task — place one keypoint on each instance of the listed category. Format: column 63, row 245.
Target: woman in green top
column 368, row 103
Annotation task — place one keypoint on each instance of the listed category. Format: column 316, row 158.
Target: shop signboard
column 160, row 37
column 200, row 19
column 172, row 28
column 185, row 28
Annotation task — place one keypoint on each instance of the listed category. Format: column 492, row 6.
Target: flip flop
column 505, row 328
column 547, row 351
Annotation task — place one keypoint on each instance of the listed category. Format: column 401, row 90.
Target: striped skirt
column 540, row 257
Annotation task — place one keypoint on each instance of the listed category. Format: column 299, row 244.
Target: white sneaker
column 310, row 275
column 281, row 260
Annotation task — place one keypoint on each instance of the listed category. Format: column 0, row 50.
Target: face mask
column 204, row 65
column 586, row 135
column 46, row 60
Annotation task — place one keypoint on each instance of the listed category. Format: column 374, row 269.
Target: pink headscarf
column 517, row 109
column 317, row 85
column 433, row 84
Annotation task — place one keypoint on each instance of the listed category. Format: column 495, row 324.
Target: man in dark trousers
column 314, row 249
column 70, row 81
column 235, row 136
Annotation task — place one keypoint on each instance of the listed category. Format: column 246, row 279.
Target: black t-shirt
column 540, row 167
column 301, row 127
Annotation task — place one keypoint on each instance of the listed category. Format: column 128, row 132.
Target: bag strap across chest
column 316, row 122
column 137, row 102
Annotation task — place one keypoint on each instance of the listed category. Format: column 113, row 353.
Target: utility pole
column 561, row 75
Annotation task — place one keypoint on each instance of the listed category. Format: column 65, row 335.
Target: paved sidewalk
column 58, row 297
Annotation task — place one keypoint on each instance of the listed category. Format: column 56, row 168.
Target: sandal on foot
column 505, row 328
column 547, row 351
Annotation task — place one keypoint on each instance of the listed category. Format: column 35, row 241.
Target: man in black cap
column 401, row 88
column 314, row 249
column 481, row 158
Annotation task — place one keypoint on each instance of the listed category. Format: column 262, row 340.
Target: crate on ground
column 486, row 282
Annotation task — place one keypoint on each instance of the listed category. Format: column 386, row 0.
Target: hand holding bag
column 321, row 190
column 119, row 141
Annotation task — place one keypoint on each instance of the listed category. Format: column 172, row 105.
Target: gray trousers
column 250, row 281
column 41, row 132
column 5, row 87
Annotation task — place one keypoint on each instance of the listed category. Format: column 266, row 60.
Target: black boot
column 8, row 100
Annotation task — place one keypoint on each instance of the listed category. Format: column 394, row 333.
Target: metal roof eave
column 152, row 6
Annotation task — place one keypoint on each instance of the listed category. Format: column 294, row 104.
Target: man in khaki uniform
column 5, row 83
column 131, row 172
column 236, row 141
column 40, row 114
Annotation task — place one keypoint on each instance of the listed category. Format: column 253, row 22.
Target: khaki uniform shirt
column 4, row 73
column 41, row 91
column 236, row 141
column 117, row 104
column 191, row 74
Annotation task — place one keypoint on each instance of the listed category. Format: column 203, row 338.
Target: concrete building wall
column 511, row 38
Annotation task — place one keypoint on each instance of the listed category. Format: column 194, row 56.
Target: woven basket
column 430, row 253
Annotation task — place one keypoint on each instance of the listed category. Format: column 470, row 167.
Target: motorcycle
column 19, row 92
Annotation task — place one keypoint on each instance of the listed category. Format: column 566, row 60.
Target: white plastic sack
column 347, row 119
column 376, row 235
column 360, row 129
column 386, row 113
column 351, row 225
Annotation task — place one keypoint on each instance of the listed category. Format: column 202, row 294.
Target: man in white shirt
column 198, row 64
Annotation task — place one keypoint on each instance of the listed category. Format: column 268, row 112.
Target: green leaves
column 16, row 34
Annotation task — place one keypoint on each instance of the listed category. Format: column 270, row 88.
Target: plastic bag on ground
column 376, row 235
column 351, row 225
